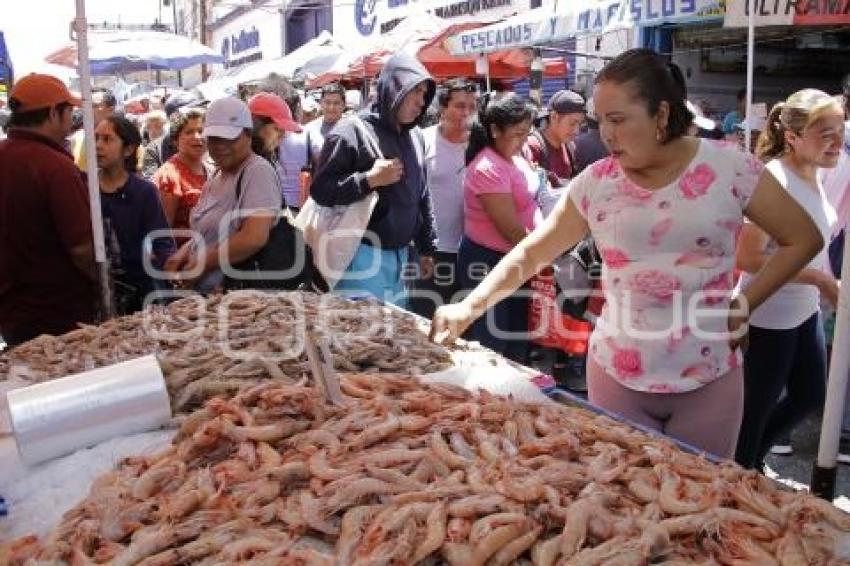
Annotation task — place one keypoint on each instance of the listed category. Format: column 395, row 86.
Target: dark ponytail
column 655, row 81
column 502, row 113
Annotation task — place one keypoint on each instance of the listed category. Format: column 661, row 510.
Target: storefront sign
column 253, row 36
column 584, row 18
column 374, row 17
column 788, row 12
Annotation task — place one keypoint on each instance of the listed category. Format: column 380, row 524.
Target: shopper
column 292, row 152
column 47, row 270
column 104, row 104
column 332, row 103
column 552, row 144
column 664, row 210
column 233, row 226
column 161, row 150
column 181, row 179
column 589, row 145
column 154, row 125
column 350, row 170
column 445, row 165
column 787, row 348
column 737, row 115
column 272, row 123
column 132, row 215
column 499, row 211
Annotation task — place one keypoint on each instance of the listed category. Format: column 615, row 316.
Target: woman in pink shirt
column 665, row 210
column 499, row 211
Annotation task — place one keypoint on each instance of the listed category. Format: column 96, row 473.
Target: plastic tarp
column 122, row 51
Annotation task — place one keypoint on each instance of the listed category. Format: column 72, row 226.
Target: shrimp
column 263, row 433
column 486, row 524
column 153, row 480
column 320, row 468
column 575, row 528
column 435, row 534
column 475, row 505
column 546, row 552
column 497, row 539
column 444, row 453
column 354, row 523
column 511, row 551
column 669, row 499
column 790, row 552
column 395, row 477
column 313, row 514
column 358, row 490
column 458, row 529
column 290, row 472
column 375, row 433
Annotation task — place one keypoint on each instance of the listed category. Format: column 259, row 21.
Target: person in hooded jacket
column 350, row 168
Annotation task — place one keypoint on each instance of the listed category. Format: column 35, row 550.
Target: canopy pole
column 81, row 29
column 825, row 468
column 751, row 45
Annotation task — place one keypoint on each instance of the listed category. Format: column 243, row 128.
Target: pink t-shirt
column 668, row 258
column 491, row 173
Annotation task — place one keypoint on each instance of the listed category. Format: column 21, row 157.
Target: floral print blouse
column 668, row 258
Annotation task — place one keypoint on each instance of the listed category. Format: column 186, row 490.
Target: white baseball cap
column 227, row 118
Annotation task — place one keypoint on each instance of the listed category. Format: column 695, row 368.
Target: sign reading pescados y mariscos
column 581, row 18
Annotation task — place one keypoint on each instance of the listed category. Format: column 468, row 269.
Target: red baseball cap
column 272, row 106
column 36, row 91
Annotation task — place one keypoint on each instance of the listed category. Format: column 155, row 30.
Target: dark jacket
column 403, row 213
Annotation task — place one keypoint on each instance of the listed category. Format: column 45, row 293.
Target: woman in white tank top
column 786, row 341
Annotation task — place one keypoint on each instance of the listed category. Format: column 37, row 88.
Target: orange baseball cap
column 36, row 91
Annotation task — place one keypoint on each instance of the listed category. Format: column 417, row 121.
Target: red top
column 175, row 178
column 44, row 213
column 559, row 166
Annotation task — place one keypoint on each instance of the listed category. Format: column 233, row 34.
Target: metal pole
column 825, row 468
column 81, row 29
column 751, row 47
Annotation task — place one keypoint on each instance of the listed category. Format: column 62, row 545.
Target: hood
column 400, row 75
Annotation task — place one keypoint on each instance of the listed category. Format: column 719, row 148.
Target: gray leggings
column 708, row 418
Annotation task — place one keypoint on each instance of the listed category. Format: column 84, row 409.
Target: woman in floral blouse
column 665, row 210
column 181, row 178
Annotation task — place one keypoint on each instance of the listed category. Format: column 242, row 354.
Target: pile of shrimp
column 216, row 346
column 407, row 473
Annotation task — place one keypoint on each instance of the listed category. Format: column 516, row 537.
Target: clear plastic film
column 60, row 416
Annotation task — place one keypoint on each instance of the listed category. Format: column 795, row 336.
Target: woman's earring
column 660, row 134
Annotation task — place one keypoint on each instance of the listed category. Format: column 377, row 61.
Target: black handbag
column 285, row 253
column 576, row 275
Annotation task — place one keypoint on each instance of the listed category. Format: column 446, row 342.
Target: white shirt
column 293, row 156
column 444, row 163
column 794, row 303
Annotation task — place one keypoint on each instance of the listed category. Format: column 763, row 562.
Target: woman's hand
column 178, row 259
column 450, row 322
column 738, row 323
column 829, row 288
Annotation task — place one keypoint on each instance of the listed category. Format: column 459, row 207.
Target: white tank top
column 794, row 303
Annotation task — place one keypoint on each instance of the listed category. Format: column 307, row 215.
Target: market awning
column 583, row 17
column 313, row 58
column 425, row 38
column 123, row 51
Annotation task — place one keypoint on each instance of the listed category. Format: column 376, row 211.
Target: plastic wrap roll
column 58, row 417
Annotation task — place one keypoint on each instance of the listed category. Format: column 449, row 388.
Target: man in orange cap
column 47, row 269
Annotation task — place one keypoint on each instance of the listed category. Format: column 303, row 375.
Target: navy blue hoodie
column 403, row 213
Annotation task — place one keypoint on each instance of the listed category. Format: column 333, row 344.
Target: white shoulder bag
column 334, row 232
